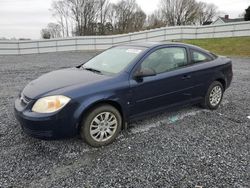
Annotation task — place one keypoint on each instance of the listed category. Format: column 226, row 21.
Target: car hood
column 60, row 79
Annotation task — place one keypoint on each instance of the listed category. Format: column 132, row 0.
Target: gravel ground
column 183, row 148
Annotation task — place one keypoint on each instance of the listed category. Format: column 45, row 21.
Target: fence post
column 56, row 46
column 37, row 44
column 18, row 46
column 233, row 32
column 95, row 43
column 181, row 33
column 75, row 43
column 214, row 30
column 165, row 33
column 196, row 32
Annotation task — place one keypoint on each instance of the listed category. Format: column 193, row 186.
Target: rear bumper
column 229, row 74
column 45, row 126
column 229, row 79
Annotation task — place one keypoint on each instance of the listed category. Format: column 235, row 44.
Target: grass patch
column 235, row 46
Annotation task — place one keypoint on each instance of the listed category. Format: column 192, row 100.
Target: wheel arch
column 113, row 103
column 223, row 82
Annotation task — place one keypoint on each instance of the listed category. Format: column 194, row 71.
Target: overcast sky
column 25, row 18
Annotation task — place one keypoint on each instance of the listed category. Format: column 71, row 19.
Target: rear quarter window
column 198, row 56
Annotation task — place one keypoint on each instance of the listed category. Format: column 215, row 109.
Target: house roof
column 231, row 20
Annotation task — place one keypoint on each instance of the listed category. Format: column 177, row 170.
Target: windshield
column 114, row 60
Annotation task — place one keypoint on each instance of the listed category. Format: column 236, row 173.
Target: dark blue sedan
column 125, row 82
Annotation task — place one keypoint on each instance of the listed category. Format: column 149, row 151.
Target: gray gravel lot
column 183, row 148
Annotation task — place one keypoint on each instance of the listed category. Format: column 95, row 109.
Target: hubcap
column 103, row 126
column 215, row 95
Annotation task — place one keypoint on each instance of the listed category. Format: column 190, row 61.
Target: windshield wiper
column 92, row 70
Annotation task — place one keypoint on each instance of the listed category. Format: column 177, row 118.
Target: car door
column 203, row 72
column 171, row 85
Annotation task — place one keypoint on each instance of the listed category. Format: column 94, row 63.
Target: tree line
column 101, row 17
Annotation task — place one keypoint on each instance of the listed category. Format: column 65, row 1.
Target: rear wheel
column 101, row 125
column 214, row 96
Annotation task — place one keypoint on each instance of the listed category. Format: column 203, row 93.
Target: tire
column 101, row 125
column 213, row 96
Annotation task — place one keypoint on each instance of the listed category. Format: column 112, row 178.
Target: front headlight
column 50, row 104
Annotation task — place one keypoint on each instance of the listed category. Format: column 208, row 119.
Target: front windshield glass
column 114, row 60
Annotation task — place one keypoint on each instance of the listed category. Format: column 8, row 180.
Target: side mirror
column 145, row 72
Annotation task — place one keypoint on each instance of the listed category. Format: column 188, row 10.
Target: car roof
column 155, row 44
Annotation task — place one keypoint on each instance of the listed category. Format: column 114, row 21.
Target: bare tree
column 88, row 16
column 103, row 14
column 155, row 20
column 53, row 30
column 61, row 13
column 138, row 20
column 206, row 12
column 84, row 13
column 179, row 12
column 100, row 17
column 186, row 12
column 127, row 15
column 111, row 14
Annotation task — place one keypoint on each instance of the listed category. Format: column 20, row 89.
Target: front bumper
column 46, row 126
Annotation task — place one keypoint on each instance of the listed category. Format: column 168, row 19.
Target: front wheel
column 101, row 126
column 213, row 96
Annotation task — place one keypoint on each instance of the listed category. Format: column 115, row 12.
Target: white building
column 226, row 19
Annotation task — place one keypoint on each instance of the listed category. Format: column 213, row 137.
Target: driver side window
column 166, row 59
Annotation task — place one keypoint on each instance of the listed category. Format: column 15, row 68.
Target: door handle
column 185, row 77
